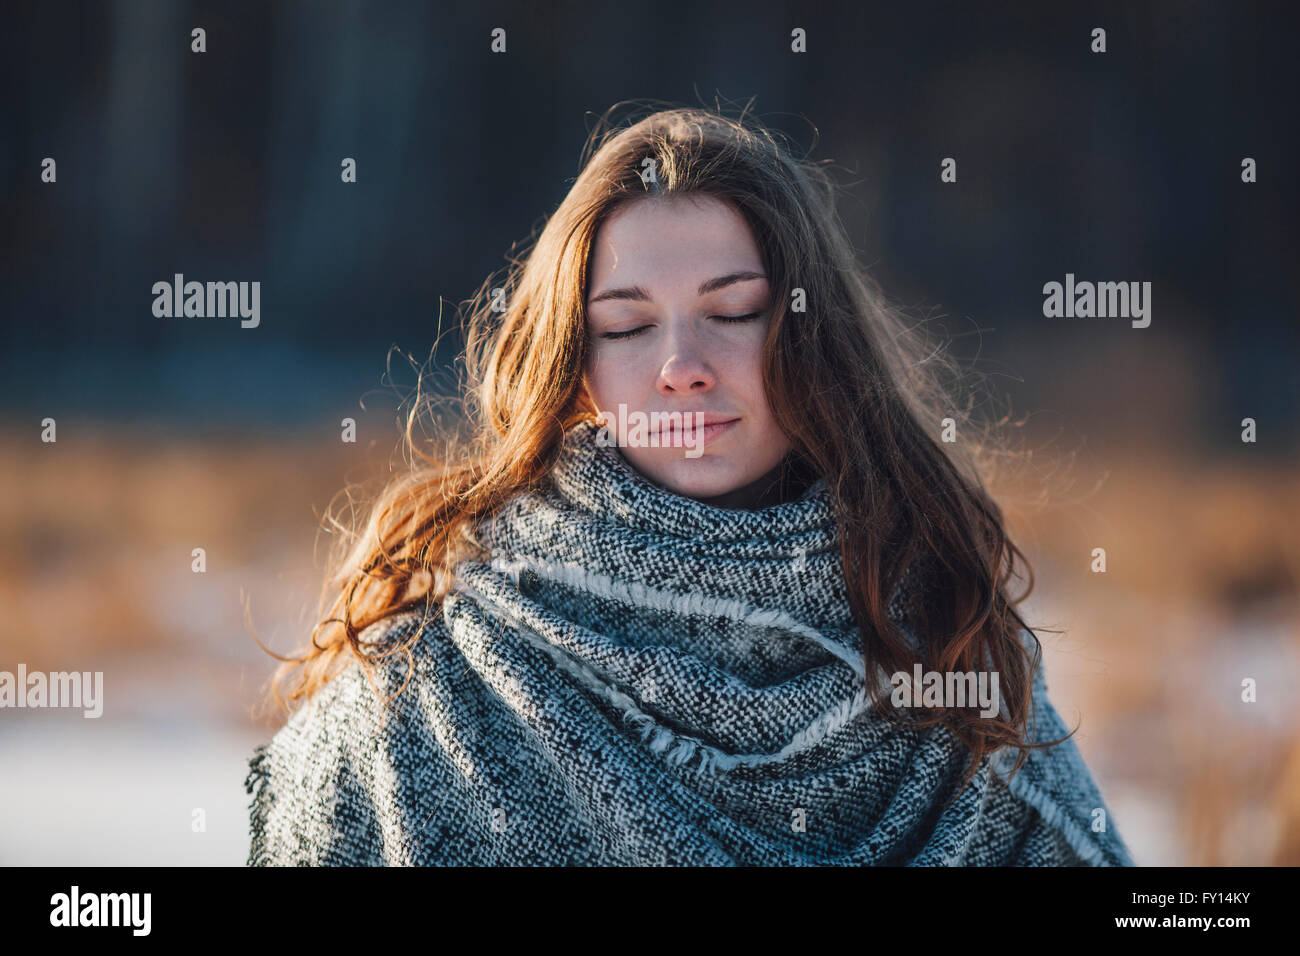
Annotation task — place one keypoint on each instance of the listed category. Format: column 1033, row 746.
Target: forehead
column 672, row 240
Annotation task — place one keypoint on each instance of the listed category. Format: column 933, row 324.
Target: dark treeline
column 225, row 166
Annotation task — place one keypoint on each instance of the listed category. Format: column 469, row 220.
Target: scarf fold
column 637, row 678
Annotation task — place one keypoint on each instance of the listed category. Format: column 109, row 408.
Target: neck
column 776, row 487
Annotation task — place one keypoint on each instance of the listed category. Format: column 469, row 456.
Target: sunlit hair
column 858, row 391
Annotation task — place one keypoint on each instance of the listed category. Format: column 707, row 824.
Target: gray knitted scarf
column 638, row 678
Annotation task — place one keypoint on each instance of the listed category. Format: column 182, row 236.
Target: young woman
column 707, row 586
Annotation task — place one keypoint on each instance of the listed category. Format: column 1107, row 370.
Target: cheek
column 597, row 373
column 744, row 374
column 742, row 367
column 610, row 378
column 745, row 346
column 621, row 367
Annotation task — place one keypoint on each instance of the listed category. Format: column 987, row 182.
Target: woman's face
column 677, row 308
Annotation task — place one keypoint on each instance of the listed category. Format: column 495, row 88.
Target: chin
column 705, row 477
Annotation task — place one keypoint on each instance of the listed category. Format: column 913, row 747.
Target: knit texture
column 638, row 678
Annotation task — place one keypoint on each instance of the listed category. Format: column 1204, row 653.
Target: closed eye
column 721, row 318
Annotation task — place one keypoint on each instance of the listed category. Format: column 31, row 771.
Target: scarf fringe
column 1056, row 817
column 680, row 749
column 257, row 784
column 692, row 604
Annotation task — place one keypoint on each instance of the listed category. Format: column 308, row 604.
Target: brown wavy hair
column 861, row 394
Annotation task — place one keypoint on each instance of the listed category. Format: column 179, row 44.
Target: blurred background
column 175, row 434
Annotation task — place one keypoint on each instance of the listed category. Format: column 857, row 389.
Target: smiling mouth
column 691, row 434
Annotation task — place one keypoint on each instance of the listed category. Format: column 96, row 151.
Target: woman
column 608, row 634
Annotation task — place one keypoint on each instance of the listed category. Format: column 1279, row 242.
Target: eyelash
column 615, row 336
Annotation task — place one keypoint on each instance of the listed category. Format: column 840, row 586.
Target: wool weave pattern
column 638, row 678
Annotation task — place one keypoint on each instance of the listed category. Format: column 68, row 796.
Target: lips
column 691, row 419
column 704, row 427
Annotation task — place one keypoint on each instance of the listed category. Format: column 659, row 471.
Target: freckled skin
column 684, row 358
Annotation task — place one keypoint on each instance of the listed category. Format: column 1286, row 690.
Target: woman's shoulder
column 1061, row 815
column 396, row 648
column 315, row 785
column 392, row 630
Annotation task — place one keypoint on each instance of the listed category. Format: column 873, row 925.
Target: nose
column 685, row 370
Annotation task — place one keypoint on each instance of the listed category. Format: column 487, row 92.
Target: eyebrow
column 636, row 293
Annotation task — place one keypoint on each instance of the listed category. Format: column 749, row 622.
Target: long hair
column 861, row 395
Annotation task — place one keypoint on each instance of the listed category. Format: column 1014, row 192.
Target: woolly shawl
column 638, row 678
